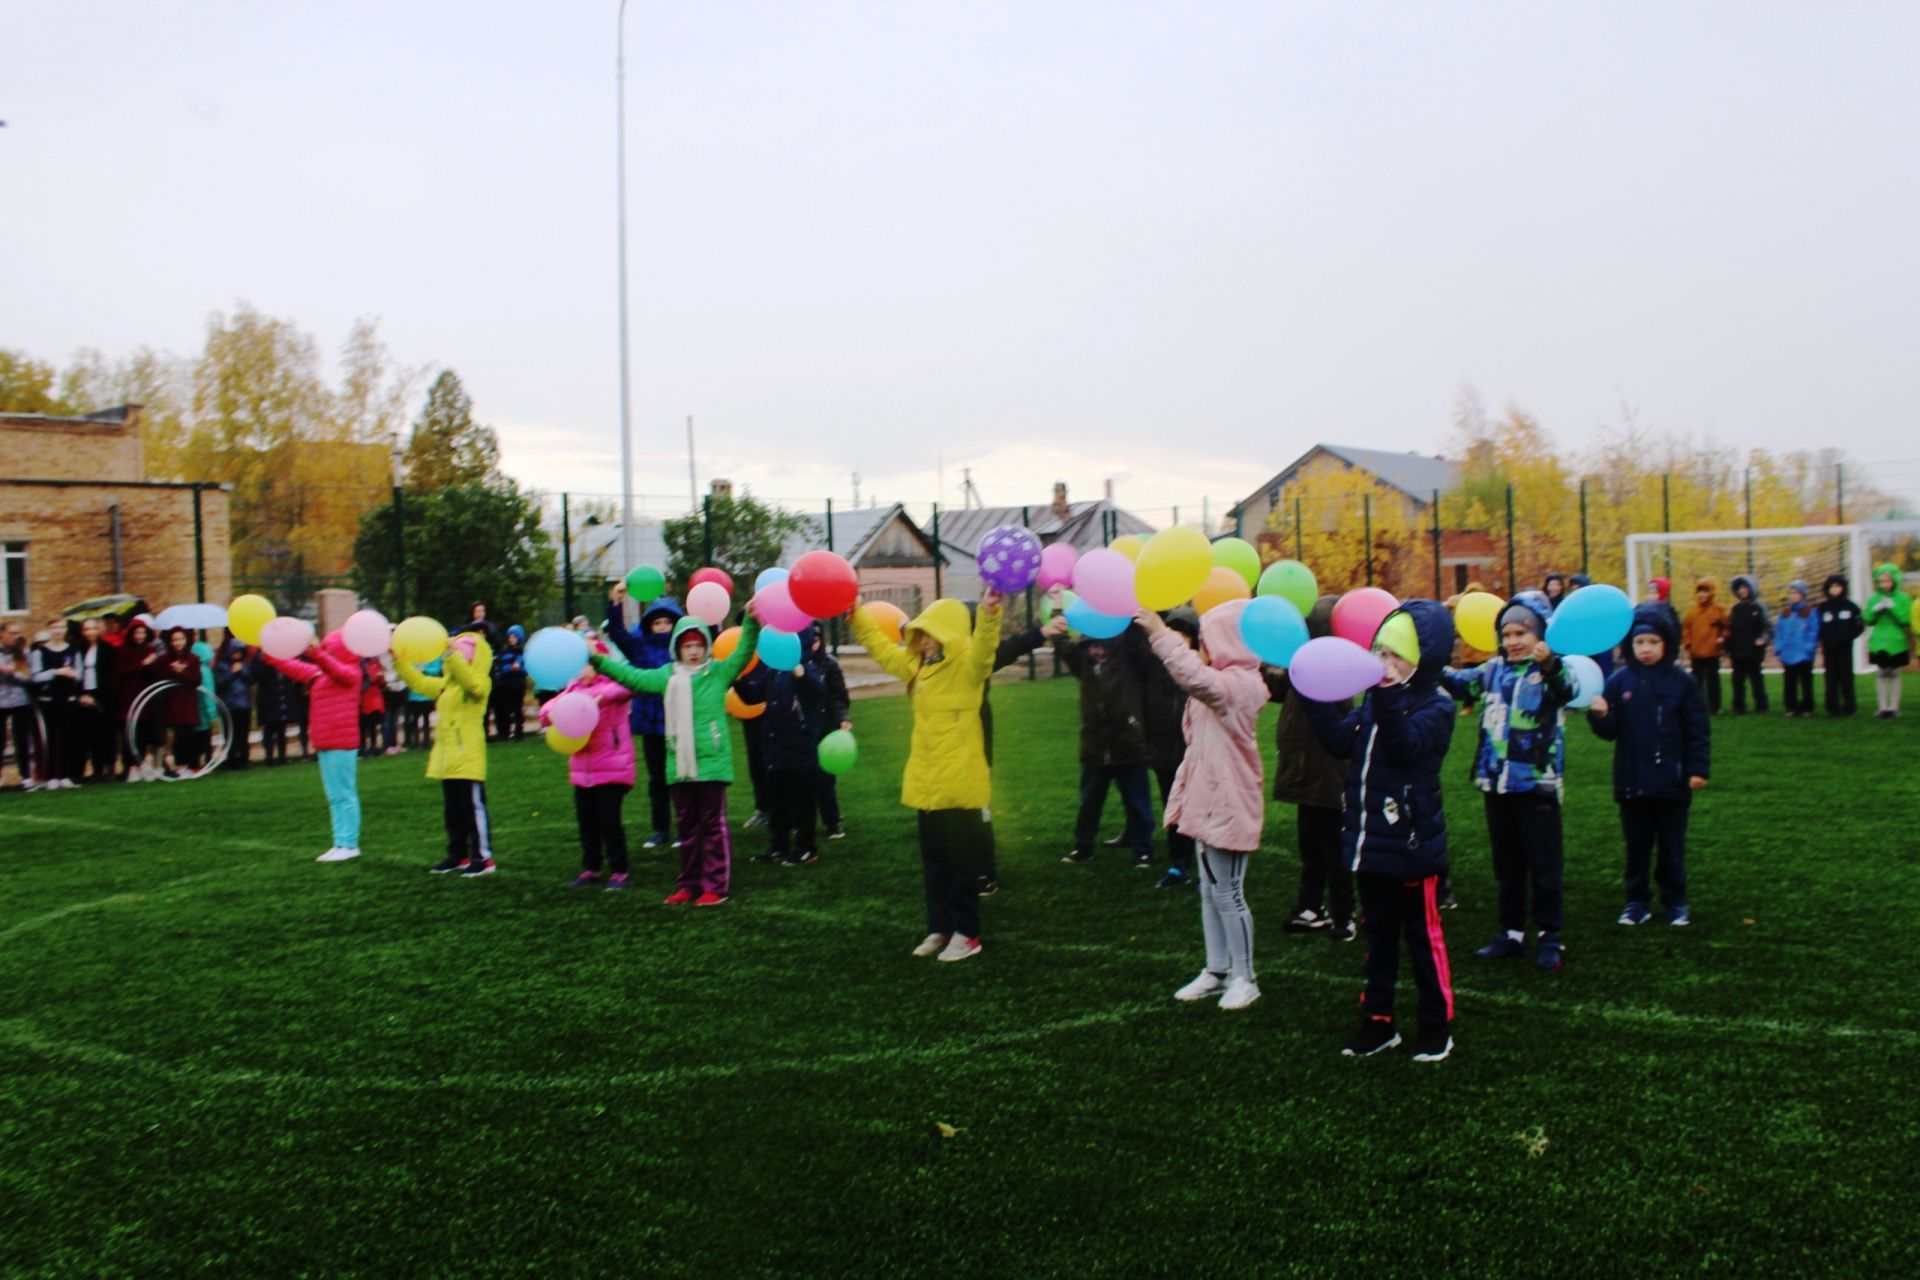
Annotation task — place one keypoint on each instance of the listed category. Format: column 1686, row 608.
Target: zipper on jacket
column 1366, row 768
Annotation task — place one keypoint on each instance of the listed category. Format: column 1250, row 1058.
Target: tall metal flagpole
column 627, row 530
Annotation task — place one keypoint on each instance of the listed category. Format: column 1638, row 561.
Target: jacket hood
column 1891, row 571
column 1320, row 619
column 1707, row 585
column 517, row 632
column 1800, row 585
column 1533, row 602
column 946, row 622
column 688, row 623
column 1579, row 580
column 1663, row 587
column 1548, row 581
column 662, row 607
column 1832, row 578
column 1433, row 627
column 336, row 646
column 811, row 638
column 1185, row 621
column 1657, row 618
column 1220, row 633
column 1747, row 580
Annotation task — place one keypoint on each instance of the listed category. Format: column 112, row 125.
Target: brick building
column 79, row 518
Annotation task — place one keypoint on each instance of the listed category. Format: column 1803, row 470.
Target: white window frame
column 8, row 553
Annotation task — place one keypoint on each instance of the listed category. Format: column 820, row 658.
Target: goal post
column 1772, row 557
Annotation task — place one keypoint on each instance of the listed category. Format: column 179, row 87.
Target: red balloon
column 822, row 584
column 711, row 575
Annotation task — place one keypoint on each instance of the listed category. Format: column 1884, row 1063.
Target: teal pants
column 343, row 796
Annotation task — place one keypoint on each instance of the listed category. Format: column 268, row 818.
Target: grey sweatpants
column 1224, row 916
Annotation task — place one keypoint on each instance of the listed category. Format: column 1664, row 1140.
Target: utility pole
column 693, row 483
column 627, row 532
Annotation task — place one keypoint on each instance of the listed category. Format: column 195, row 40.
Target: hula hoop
column 216, row 758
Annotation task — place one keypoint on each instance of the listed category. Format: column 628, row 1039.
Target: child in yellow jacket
column 459, row 755
column 946, row 779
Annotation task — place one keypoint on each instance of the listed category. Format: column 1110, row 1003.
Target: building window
column 13, row 582
column 1273, row 496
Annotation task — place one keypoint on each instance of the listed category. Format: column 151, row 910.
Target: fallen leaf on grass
column 1749, row 920
column 947, row 1130
column 1535, row 1141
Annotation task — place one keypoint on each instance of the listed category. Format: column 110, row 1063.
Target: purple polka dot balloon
column 1009, row 559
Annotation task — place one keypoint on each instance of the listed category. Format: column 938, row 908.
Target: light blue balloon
column 1273, row 629
column 768, row 577
column 555, row 656
column 1591, row 620
column 1587, row 680
column 1090, row 622
column 780, row 650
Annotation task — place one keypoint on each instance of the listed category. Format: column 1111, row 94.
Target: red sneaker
column 710, row 900
column 680, row 898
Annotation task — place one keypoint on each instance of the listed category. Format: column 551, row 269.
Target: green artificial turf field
column 219, row 1056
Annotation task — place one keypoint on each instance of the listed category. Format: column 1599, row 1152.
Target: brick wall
column 69, row 532
column 38, row 448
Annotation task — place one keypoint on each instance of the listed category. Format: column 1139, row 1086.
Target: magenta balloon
column 775, row 607
column 574, row 714
column 1056, row 567
column 1330, row 669
column 1104, row 579
column 1358, row 614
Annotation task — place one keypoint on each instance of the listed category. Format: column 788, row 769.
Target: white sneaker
column 1241, row 992
column 960, row 947
column 1208, row 983
column 337, row 854
column 930, row 944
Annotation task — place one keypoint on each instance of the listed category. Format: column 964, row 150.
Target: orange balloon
column 1223, row 584
column 742, row 710
column 723, row 646
column 890, row 618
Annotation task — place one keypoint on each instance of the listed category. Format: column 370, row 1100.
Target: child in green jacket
column 459, row 755
column 1889, row 617
column 699, row 750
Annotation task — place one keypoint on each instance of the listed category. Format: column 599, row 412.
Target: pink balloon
column 574, row 714
column 1104, row 579
column 286, row 637
column 773, row 605
column 1330, row 669
column 367, row 633
column 1358, row 614
column 1056, row 567
column 708, row 602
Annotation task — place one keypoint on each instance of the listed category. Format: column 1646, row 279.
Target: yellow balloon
column 562, row 743
column 1223, row 584
column 419, row 640
column 1128, row 545
column 1475, row 617
column 1172, row 568
column 246, row 615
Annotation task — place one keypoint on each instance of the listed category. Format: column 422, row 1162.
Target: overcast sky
column 1169, row 243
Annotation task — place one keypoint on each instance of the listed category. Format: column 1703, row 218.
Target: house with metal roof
column 1082, row 525
column 1415, row 476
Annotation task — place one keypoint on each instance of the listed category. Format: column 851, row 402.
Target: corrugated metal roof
column 1415, row 474
column 962, row 530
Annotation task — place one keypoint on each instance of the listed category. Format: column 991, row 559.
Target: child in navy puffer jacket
column 796, row 702
column 1395, row 828
column 1656, row 717
column 646, row 649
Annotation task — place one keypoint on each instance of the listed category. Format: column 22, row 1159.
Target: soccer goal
column 1774, row 558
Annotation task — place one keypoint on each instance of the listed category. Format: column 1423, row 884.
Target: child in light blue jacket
column 1796, row 637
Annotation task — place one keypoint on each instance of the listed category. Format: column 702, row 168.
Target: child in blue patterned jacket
column 1519, row 764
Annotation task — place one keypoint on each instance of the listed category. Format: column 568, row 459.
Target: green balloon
column 1292, row 582
column 646, row 584
column 1046, row 605
column 838, row 752
column 1238, row 555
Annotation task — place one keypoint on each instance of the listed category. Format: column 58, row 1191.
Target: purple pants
column 700, row 809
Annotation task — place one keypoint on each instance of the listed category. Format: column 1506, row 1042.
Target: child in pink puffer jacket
column 1219, row 795
column 602, row 774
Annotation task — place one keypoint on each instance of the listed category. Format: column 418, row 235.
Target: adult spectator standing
column 16, row 702
column 56, row 687
column 234, row 674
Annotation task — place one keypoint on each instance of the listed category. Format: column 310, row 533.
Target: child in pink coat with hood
column 331, row 672
column 1219, row 795
column 602, row 774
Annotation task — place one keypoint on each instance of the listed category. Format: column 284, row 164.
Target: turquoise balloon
column 780, row 650
column 1591, row 620
column 1273, row 629
column 838, row 752
column 1088, row 621
column 1587, row 680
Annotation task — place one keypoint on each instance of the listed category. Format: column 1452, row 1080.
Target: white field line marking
column 249, row 846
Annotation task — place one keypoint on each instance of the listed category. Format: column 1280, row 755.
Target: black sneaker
column 1143, row 860
column 1342, row 931
column 1374, row 1036
column 758, row 819
column 1078, row 855
column 1114, row 842
column 988, row 886
column 449, row 863
column 1172, row 878
column 770, row 855
column 839, row 832
column 1447, row 901
column 1305, row 920
column 1432, row 1042
column 477, row 867
column 800, row 859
